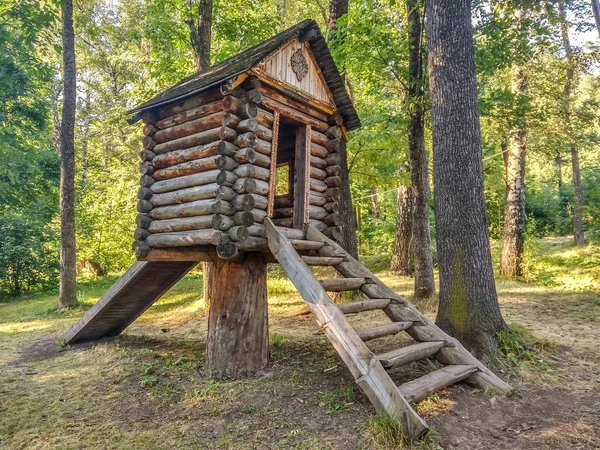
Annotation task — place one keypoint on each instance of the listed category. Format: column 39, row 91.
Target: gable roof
column 246, row 60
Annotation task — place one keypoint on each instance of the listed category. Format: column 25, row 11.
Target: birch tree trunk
column 468, row 306
column 596, row 9
column 375, row 209
column 400, row 262
column 337, row 8
column 514, row 209
column 578, row 234
column 421, row 236
column 68, row 254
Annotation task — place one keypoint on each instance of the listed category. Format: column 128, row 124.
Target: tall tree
column 67, row 291
column 338, row 8
column 514, row 162
column 596, row 9
column 421, row 238
column 200, row 25
column 578, row 234
column 468, row 306
column 400, row 262
column 514, row 209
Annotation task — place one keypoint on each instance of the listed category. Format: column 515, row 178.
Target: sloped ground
column 146, row 390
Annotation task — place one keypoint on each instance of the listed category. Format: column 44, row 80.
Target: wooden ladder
column 369, row 369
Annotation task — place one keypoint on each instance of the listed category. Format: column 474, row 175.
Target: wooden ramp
column 369, row 369
column 132, row 294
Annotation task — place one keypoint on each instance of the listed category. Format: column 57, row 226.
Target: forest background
column 129, row 51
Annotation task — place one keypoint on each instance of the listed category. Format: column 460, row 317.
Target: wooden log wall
column 206, row 171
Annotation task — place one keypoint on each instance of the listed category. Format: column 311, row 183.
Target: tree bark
column 337, row 8
column 67, row 290
column 578, row 233
column 400, row 262
column 201, row 33
column 375, row 209
column 514, row 209
column 201, row 39
column 421, row 236
column 238, row 332
column 596, row 9
column 468, row 306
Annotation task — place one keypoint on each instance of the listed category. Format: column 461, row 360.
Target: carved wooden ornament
column 299, row 64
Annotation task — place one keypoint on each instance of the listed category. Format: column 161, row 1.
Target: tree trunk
column 400, row 262
column 68, row 264
column 514, row 208
column 419, row 175
column 468, row 306
column 238, row 331
column 201, row 33
column 375, row 209
column 596, row 9
column 578, row 234
column 337, row 8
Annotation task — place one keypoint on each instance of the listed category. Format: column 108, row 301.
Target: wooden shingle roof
column 246, row 60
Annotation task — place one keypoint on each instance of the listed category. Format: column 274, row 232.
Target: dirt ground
column 146, row 390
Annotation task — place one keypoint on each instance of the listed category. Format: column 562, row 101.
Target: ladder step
column 342, row 284
column 416, row 390
column 322, row 260
column 364, row 305
column 300, row 244
column 409, row 354
column 292, row 233
column 383, row 330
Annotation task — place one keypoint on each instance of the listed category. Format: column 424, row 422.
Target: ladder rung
column 291, row 233
column 364, row 305
column 322, row 260
column 383, row 330
column 300, row 244
column 416, row 390
column 409, row 354
column 342, row 284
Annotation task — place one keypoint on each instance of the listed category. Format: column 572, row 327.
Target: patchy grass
column 558, row 263
column 146, row 389
column 386, row 434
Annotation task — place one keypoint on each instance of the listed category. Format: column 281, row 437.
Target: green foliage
column 520, row 349
column 386, row 433
column 337, row 400
column 28, row 254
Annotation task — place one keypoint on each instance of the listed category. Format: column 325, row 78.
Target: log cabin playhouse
column 241, row 167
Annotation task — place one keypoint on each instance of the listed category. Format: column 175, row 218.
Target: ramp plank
column 132, row 294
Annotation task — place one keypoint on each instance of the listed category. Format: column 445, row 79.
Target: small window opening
column 283, row 179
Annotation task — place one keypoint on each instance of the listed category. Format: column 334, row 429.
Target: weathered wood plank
column 416, row 390
column 364, row 305
column 137, row 289
column 411, row 353
column 322, row 260
column 342, row 284
column 389, row 329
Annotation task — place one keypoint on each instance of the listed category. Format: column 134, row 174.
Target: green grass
column 147, row 389
column 386, row 434
column 558, row 263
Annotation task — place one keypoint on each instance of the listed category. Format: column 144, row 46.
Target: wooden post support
column 238, row 332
